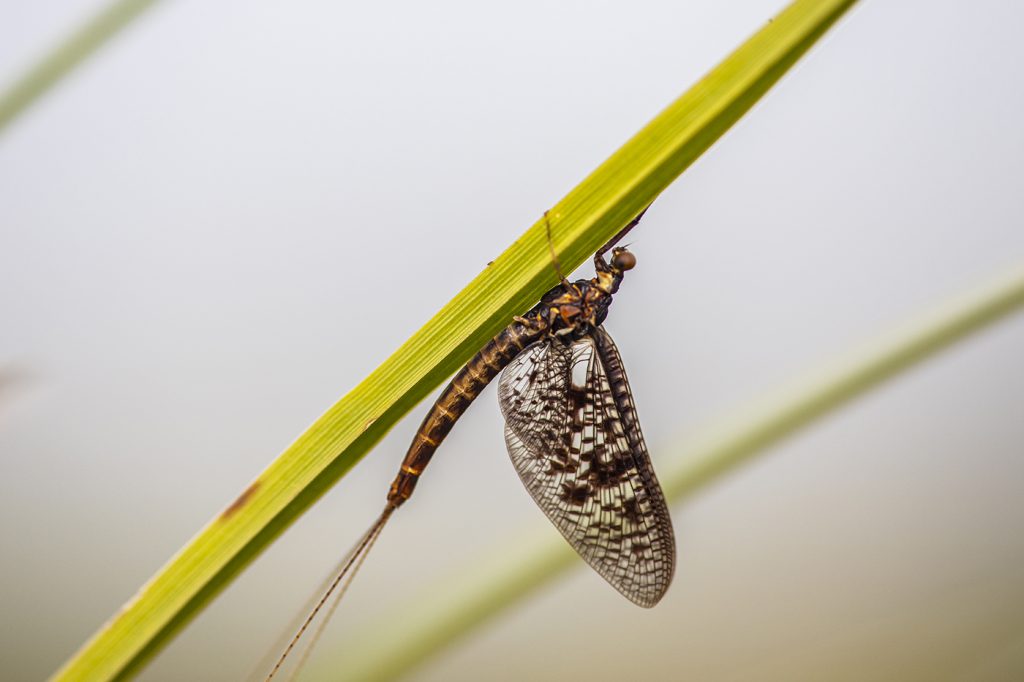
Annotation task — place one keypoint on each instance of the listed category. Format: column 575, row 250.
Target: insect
column 571, row 430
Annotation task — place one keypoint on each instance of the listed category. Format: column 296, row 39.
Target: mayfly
column 571, row 430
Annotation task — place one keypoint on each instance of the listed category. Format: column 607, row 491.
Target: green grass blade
column 66, row 56
column 605, row 201
column 439, row 615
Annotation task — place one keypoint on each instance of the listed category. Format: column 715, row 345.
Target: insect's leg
column 599, row 256
column 554, row 256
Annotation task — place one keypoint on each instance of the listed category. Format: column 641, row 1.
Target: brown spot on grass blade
column 241, row 501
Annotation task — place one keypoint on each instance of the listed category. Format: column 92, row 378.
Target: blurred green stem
column 439, row 615
column 66, row 56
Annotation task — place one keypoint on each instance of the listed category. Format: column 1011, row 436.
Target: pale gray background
column 209, row 233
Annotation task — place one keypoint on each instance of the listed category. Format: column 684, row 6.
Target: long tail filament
column 350, row 567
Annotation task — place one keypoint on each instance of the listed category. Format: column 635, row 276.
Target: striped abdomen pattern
column 456, row 397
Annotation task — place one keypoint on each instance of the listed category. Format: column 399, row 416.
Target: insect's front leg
column 599, row 261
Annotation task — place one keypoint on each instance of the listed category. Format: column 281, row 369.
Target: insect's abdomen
column 453, row 401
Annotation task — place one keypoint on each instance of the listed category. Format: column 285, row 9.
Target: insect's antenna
column 551, row 247
column 622, row 233
column 350, row 567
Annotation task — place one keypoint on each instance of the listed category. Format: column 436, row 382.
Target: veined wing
column 573, row 436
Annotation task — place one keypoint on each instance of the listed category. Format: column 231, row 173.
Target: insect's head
column 609, row 275
column 622, row 259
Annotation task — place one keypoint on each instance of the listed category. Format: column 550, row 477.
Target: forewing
column 573, row 436
column 532, row 393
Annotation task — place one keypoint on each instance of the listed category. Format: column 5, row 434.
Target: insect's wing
column 532, row 395
column 573, row 436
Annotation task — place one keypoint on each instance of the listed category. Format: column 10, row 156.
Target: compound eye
column 623, row 260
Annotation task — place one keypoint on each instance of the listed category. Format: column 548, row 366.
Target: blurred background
column 207, row 235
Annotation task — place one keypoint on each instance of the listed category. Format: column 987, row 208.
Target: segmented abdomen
column 453, row 401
